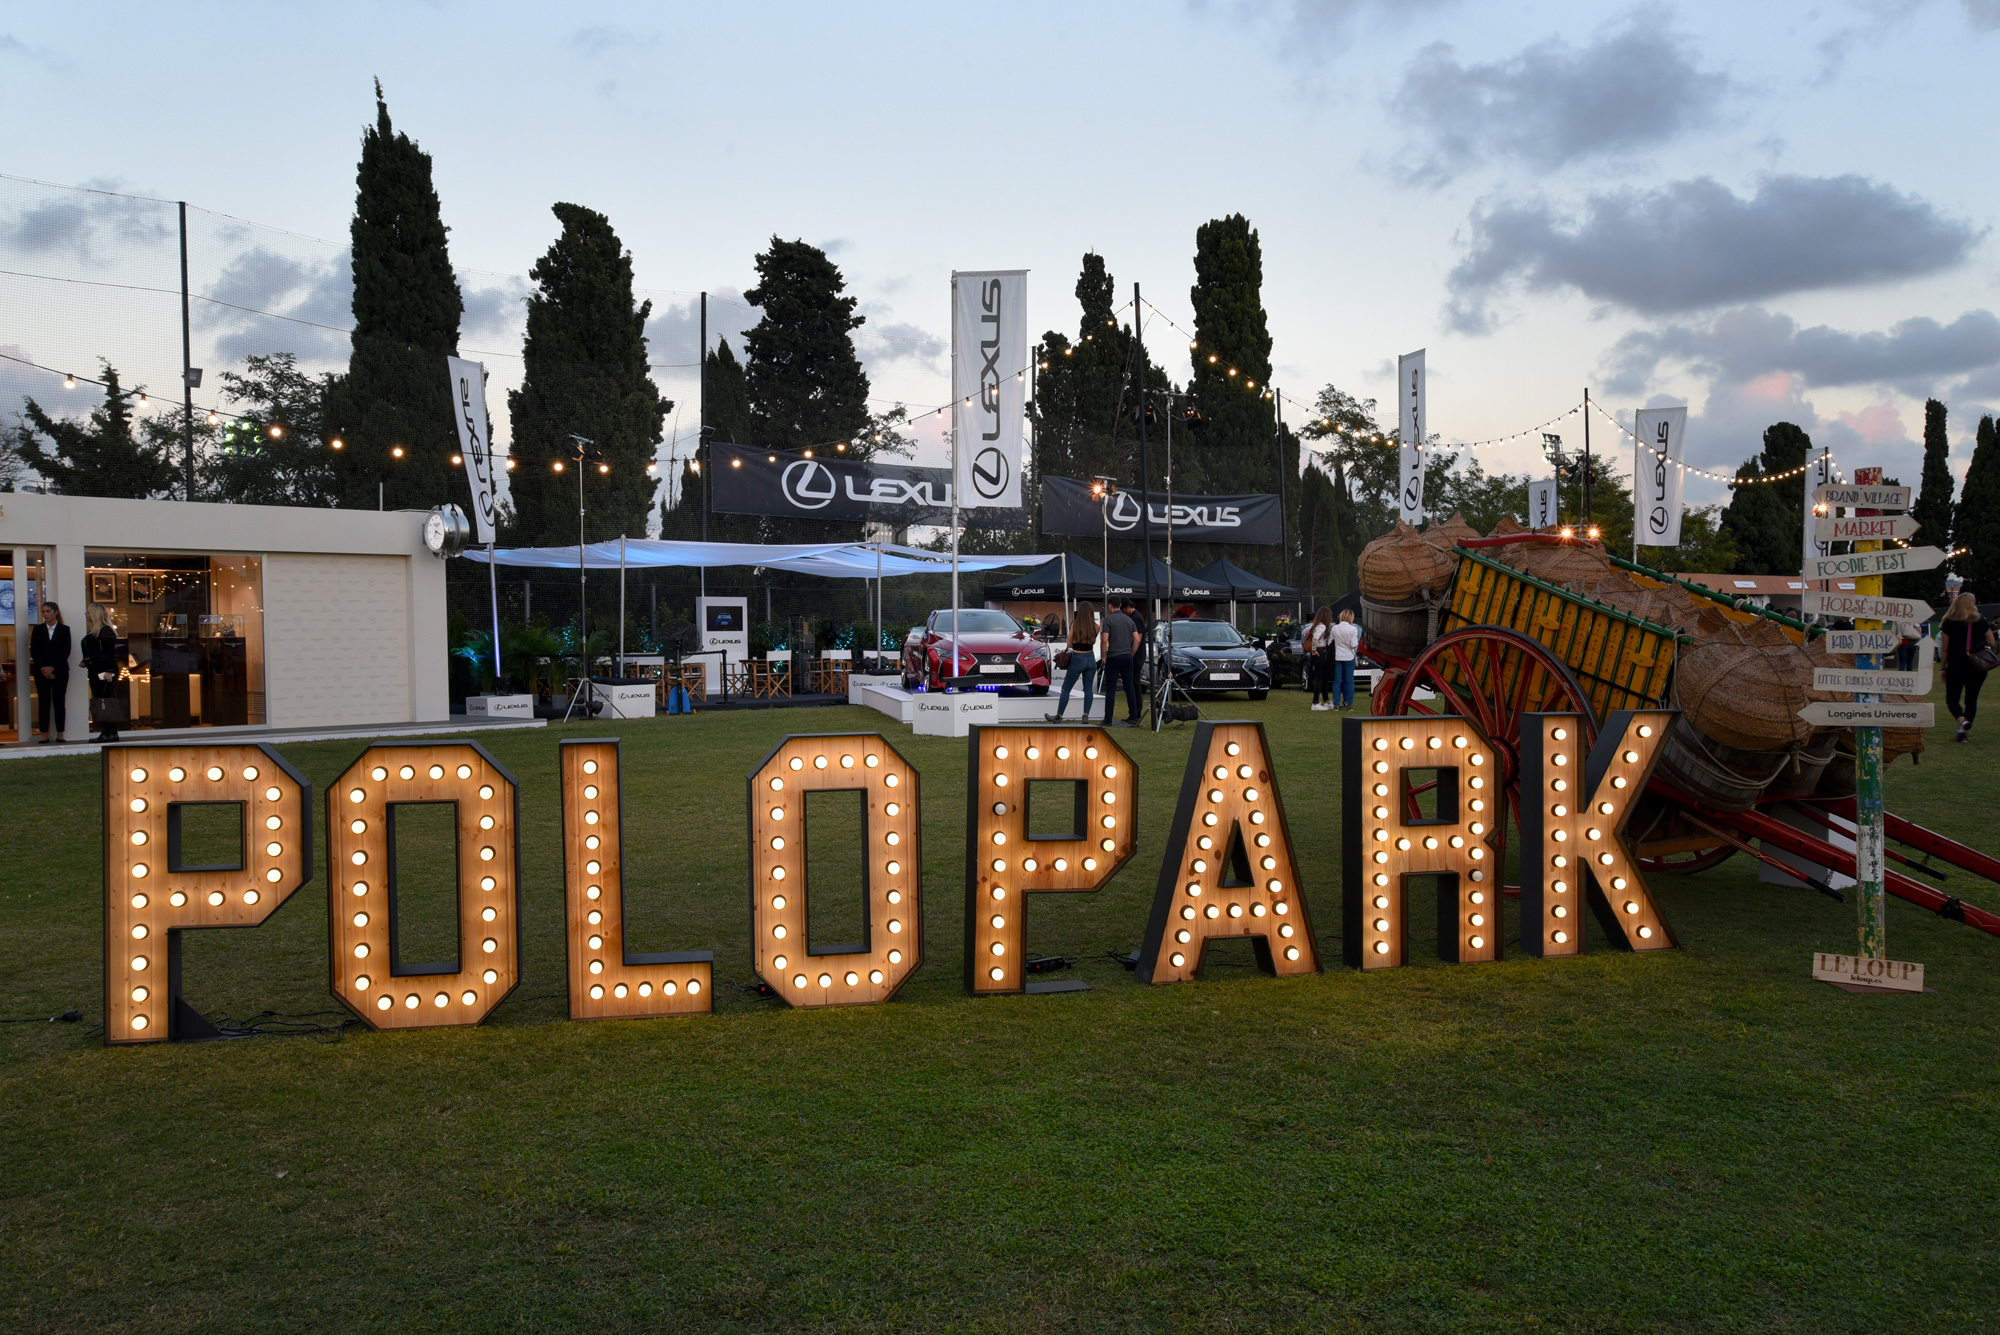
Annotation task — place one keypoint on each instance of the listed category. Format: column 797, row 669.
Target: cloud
column 78, row 223
column 1982, row 14
column 1694, row 244
column 881, row 344
column 1913, row 357
column 264, row 301
column 1552, row 103
column 53, row 62
column 674, row 331
column 601, row 39
column 1317, row 26
column 495, row 312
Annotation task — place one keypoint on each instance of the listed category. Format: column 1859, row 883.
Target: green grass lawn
column 1701, row 1139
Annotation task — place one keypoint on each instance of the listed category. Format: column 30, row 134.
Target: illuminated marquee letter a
column 1229, row 869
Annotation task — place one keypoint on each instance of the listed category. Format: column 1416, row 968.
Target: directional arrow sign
column 1868, row 681
column 1823, row 715
column 1876, row 563
column 1871, row 498
column 1864, row 528
column 1863, row 605
column 1861, row 641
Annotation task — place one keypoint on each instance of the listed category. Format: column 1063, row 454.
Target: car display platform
column 951, row 714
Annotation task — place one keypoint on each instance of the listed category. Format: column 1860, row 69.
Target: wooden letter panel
column 361, row 889
column 605, row 979
column 892, row 869
column 1229, row 870
column 1004, row 864
column 150, row 898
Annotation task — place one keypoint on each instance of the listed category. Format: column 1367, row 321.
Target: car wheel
column 1258, row 695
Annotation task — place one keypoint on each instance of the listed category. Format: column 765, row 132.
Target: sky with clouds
column 1765, row 212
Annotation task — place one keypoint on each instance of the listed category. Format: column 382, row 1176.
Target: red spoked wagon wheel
column 1492, row 677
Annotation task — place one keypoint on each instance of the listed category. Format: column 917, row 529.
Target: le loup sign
column 1422, row 795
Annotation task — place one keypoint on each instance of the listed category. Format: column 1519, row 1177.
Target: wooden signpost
column 1864, row 605
column 1874, row 497
column 1876, row 563
column 1865, row 528
column 1869, row 714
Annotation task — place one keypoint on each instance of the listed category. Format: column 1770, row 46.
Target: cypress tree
column 1766, row 520
column 725, row 413
column 397, row 393
column 1086, row 390
column 100, row 456
column 805, row 380
column 585, row 373
column 1976, row 525
column 1232, row 362
column 1932, row 510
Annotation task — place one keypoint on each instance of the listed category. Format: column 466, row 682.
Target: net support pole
column 187, row 365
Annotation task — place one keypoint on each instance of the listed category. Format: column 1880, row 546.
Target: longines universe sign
column 1419, row 801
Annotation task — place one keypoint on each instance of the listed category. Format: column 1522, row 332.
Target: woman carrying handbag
column 1969, row 654
column 1078, row 659
column 101, row 665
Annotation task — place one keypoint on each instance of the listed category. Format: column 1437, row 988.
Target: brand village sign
column 1229, row 871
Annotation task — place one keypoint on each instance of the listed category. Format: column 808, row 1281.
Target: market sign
column 1863, row 497
column 1864, row 714
column 1863, row 605
column 1876, row 563
column 1864, row 528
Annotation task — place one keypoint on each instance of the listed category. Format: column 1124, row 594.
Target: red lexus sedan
column 993, row 651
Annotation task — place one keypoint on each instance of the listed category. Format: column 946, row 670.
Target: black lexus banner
column 1069, row 510
column 748, row 482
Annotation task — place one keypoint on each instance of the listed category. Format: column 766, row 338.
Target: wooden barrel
column 1400, row 630
column 1802, row 777
column 1720, row 776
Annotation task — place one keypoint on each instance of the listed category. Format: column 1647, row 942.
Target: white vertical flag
column 468, row 404
column 1657, row 475
column 1542, row 504
column 1819, row 473
column 989, row 361
column 1410, row 425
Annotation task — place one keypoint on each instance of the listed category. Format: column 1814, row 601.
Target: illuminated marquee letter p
column 369, row 977
column 151, row 896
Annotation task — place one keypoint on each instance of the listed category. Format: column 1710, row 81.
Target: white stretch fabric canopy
column 835, row 560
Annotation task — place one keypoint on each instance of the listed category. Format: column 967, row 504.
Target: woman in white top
column 1318, row 649
column 1346, row 643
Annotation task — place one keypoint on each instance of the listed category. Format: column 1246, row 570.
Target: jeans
column 1121, row 667
column 1963, row 678
column 1080, row 666
column 1343, row 682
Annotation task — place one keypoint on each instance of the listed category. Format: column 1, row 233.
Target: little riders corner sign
column 1229, row 868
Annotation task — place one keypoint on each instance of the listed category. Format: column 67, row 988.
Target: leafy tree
column 11, row 464
column 101, row 455
column 585, row 372
column 1086, row 390
column 396, row 393
column 275, row 453
column 1706, row 547
column 1932, row 510
column 1765, row 520
column 1976, row 526
column 805, row 381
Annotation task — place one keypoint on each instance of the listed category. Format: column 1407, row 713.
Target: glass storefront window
column 190, row 633
column 23, row 584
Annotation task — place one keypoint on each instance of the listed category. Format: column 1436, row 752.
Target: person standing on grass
column 1082, row 662
column 1346, row 645
column 1965, row 634
column 1116, row 646
column 48, row 660
column 1318, row 650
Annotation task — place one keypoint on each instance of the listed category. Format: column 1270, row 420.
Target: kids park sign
column 1421, row 792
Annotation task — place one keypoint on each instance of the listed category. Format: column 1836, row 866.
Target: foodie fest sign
column 1420, row 798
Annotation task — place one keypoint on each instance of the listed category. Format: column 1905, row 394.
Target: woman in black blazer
column 48, row 659
column 100, row 666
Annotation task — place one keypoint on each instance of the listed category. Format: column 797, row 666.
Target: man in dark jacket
column 48, row 661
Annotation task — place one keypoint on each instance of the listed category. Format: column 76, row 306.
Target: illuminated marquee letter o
column 892, row 869
column 361, row 901
column 1004, row 863
column 605, row 980
column 1229, row 870
column 151, row 897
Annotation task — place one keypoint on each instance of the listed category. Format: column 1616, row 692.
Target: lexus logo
column 989, row 473
column 1121, row 512
column 808, row 484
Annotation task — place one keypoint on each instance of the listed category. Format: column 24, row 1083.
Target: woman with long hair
column 1346, row 644
column 1081, row 662
column 1966, row 634
column 100, row 664
column 1318, row 649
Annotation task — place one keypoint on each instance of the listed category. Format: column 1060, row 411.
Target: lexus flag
column 1069, row 510
column 748, row 481
column 989, row 372
column 1657, row 475
column 1410, row 425
column 1542, row 503
column 468, row 405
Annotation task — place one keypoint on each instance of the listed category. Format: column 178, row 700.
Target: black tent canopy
column 1045, row 582
column 1239, row 585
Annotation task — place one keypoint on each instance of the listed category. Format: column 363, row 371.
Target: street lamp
column 581, row 451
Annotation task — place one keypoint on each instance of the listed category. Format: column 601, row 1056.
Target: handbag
column 1062, row 660
column 1986, row 658
column 107, row 709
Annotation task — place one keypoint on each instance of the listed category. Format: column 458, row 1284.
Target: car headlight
column 1260, row 661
